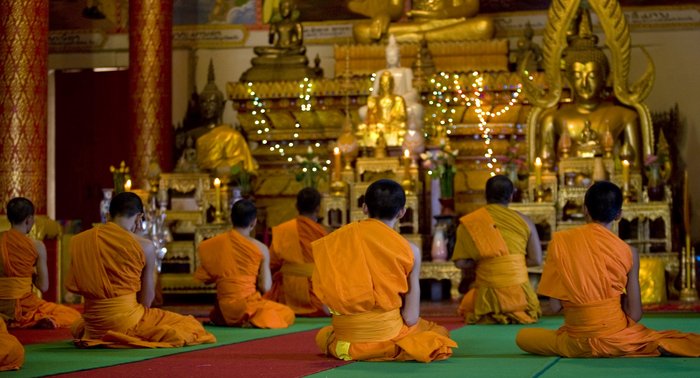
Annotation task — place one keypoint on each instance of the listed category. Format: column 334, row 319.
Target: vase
column 655, row 192
column 447, row 206
column 438, row 250
column 104, row 204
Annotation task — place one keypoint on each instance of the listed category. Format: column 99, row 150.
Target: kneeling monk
column 240, row 265
column 594, row 275
column 21, row 259
column 110, row 264
column 291, row 259
column 498, row 244
column 367, row 274
column 11, row 351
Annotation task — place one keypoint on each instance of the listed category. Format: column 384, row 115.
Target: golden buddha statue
column 434, row 20
column 221, row 146
column 386, row 113
column 286, row 58
column 589, row 115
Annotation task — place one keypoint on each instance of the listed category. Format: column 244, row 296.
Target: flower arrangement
column 441, row 166
column 120, row 176
column 242, row 178
column 658, row 169
column 310, row 169
column 514, row 163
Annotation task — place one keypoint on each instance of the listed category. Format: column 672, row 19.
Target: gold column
column 24, row 28
column 150, row 85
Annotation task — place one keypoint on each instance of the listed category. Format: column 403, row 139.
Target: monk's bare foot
column 45, row 323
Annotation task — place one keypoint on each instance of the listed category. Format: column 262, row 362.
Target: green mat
column 490, row 351
column 63, row 357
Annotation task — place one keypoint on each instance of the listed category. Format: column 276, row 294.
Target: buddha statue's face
column 386, row 83
column 587, row 79
column 392, row 57
column 210, row 106
column 285, row 8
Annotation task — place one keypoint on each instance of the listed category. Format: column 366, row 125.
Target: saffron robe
column 586, row 269
column 18, row 256
column 292, row 265
column 496, row 238
column 361, row 274
column 233, row 261
column 106, row 267
column 11, row 351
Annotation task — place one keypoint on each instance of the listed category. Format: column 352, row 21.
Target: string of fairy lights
column 445, row 106
column 263, row 128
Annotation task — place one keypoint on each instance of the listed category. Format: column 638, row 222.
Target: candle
column 686, row 212
column 407, row 164
column 336, row 164
column 538, row 172
column 625, row 174
column 127, row 185
column 217, row 186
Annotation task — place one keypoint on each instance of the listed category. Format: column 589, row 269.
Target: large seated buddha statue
column 434, row 20
column 219, row 146
column 286, row 58
column 590, row 120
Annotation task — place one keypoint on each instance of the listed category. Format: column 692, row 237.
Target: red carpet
column 36, row 336
column 293, row 355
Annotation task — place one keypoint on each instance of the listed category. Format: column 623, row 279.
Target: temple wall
column 674, row 53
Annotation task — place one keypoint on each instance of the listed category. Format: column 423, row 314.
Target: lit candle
column 407, row 164
column 336, row 164
column 538, row 172
column 127, row 185
column 686, row 212
column 217, row 186
column 625, row 174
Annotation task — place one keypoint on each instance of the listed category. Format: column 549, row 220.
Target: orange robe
column 24, row 309
column 233, row 263
column 11, row 351
column 361, row 274
column 106, row 267
column 292, row 264
column 587, row 270
column 496, row 237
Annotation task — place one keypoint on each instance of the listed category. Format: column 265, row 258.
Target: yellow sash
column 117, row 314
column 368, row 326
column 15, row 287
column 596, row 319
column 301, row 270
column 502, row 271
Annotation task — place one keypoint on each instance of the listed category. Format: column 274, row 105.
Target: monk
column 240, row 266
column 11, row 351
column 367, row 274
column 113, row 269
column 498, row 244
column 594, row 276
column 291, row 259
column 23, row 265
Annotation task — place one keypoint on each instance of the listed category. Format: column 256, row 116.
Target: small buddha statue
column 397, row 82
column 188, row 160
column 435, row 20
column 220, row 146
column 589, row 115
column 380, row 146
column 386, row 112
column 286, row 58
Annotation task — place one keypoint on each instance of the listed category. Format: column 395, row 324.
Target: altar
column 439, row 116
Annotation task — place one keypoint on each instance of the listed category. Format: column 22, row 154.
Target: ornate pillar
column 150, row 78
column 24, row 52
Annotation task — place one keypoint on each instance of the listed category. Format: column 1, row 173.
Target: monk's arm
column 264, row 276
column 534, row 247
column 411, row 303
column 42, row 272
column 148, row 284
column 631, row 300
column 554, row 305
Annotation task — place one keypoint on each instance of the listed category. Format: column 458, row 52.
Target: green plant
column 441, row 166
